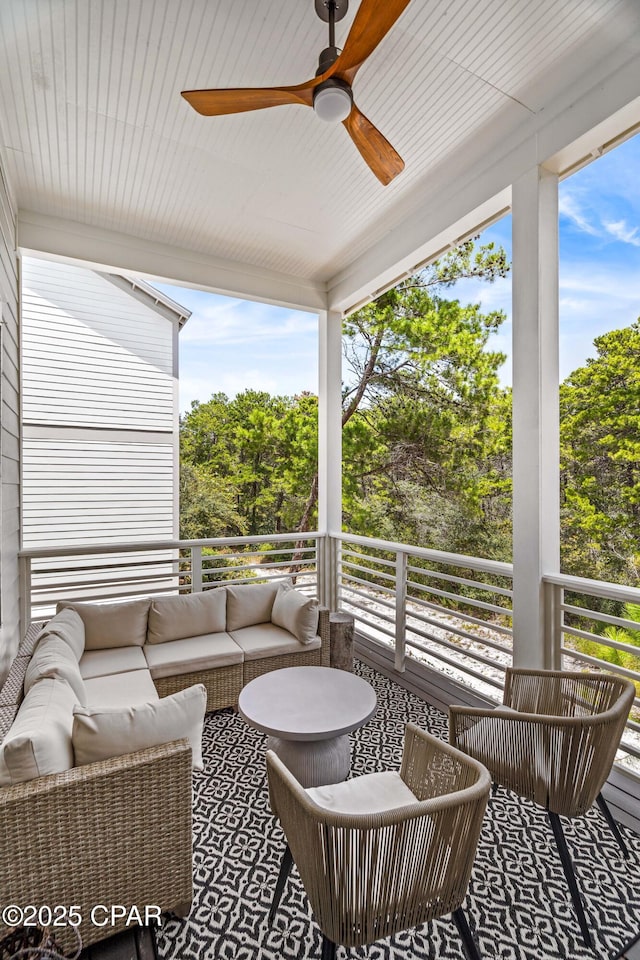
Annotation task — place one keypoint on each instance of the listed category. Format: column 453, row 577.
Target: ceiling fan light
column 332, row 102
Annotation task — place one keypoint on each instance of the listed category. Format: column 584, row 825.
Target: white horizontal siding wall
column 9, row 432
column 96, row 492
column 100, row 423
column 94, row 354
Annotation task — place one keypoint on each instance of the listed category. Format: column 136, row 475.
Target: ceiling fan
column 330, row 91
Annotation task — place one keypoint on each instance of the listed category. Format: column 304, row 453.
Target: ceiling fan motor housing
column 333, row 100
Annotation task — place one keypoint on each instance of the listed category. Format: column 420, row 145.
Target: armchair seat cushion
column 192, row 654
column 372, row 793
column 102, row 663
column 121, row 689
column 269, row 640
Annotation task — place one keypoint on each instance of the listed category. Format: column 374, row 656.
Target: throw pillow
column 69, row 627
column 103, row 732
column 249, row 603
column 175, row 618
column 121, row 624
column 55, row 658
column 39, row 740
column 296, row 613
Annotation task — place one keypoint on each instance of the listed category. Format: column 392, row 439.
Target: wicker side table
column 341, row 640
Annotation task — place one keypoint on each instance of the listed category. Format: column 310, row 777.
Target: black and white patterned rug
column 518, row 903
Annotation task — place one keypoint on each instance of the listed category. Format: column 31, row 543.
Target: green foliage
column 600, row 459
column 260, row 451
column 614, row 655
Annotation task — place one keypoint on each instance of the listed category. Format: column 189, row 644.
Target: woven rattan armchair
column 369, row 875
column 553, row 741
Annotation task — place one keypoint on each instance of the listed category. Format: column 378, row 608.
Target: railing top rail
column 482, row 564
column 34, row 553
column 596, row 588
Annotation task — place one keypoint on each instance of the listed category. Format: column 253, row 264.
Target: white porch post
column 536, row 445
column 329, row 443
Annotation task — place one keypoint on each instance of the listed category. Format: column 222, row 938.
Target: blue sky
column 229, row 345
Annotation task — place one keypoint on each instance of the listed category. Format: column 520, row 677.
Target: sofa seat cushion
column 192, row 654
column 101, row 663
column 39, row 740
column 249, row 603
column 372, row 793
column 55, row 658
column 268, row 640
column 120, row 689
column 121, row 624
column 174, row 618
column 103, row 732
column 67, row 625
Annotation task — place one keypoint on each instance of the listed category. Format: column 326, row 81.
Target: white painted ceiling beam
column 109, row 251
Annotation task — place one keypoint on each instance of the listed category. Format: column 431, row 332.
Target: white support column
column 330, row 432
column 536, row 445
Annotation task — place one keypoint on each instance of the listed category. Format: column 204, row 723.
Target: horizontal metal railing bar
column 147, row 545
column 437, row 556
column 588, row 614
column 368, row 556
column 359, row 606
column 594, row 588
column 603, row 641
column 458, row 666
column 629, row 748
column 111, row 596
column 237, row 581
column 443, row 642
column 378, row 629
column 460, row 632
column 209, row 568
column 367, row 596
column 488, row 587
column 244, row 555
column 366, row 583
column 602, row 664
column 466, row 601
column 87, row 568
column 38, row 588
column 463, row 615
column 346, row 564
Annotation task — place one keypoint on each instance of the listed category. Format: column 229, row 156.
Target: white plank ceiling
column 94, row 129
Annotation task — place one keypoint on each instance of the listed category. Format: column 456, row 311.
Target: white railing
column 449, row 611
column 122, row 571
column 591, row 632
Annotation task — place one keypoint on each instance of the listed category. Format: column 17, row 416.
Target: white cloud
column 621, row 231
column 568, row 206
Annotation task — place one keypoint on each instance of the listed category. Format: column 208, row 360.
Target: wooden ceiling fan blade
column 375, row 150
column 372, row 23
column 216, row 103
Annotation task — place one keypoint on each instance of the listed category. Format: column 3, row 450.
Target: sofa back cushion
column 249, row 603
column 69, row 627
column 103, row 732
column 39, row 740
column 122, row 624
column 296, row 613
column 174, row 618
column 54, row 658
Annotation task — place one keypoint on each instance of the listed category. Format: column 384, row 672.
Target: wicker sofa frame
column 118, row 831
